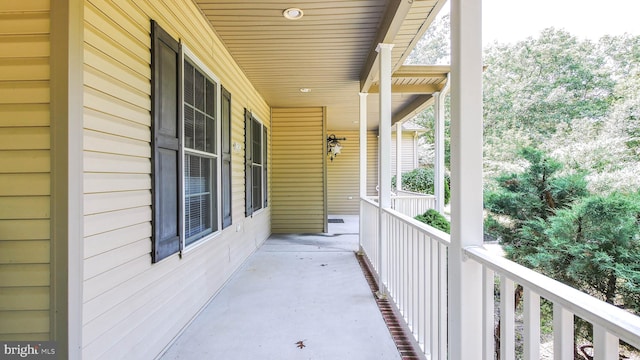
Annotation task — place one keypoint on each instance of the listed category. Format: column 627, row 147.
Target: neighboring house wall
column 343, row 178
column 133, row 308
column 298, row 175
column 372, row 163
column 25, row 157
column 409, row 152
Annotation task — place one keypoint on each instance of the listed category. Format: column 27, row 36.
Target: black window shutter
column 165, row 141
column 248, row 162
column 226, row 158
column 264, row 165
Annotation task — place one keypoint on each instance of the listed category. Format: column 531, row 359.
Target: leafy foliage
column 522, row 204
column 435, row 219
column 595, row 246
column 421, row 180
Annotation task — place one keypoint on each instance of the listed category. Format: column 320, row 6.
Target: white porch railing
column 410, row 203
column 416, row 279
column 416, row 272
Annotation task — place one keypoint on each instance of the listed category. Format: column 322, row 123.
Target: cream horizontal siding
column 372, row 163
column 409, row 152
column 127, row 301
column 297, row 180
column 343, row 176
column 24, row 171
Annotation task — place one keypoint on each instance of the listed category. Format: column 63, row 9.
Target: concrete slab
column 298, row 297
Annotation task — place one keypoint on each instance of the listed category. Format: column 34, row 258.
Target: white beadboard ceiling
column 330, row 51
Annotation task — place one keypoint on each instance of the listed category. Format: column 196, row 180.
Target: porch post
column 363, row 162
column 465, row 277
column 384, row 171
column 438, row 173
column 398, row 156
column 440, row 151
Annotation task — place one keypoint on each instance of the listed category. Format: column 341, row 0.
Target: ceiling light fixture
column 293, row 13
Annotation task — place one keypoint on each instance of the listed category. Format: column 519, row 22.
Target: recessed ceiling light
column 305, row 90
column 293, row 13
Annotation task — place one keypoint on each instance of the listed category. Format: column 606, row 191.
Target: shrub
column 421, row 180
column 435, row 219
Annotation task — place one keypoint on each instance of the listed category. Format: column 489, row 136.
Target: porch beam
column 420, row 103
column 393, row 18
column 384, row 171
column 409, row 89
column 465, row 277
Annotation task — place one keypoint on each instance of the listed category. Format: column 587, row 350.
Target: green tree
column 518, row 210
column 435, row 45
column 595, row 246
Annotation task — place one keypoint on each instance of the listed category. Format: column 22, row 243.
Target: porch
column 299, row 296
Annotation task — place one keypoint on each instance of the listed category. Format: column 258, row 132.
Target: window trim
column 186, row 53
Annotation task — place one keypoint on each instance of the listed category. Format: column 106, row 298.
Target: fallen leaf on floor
column 300, row 344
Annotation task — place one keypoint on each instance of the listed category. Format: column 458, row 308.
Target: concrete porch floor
column 295, row 288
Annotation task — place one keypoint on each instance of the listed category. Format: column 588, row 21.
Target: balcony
column 304, row 296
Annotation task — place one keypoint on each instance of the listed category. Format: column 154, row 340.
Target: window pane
column 189, row 127
column 256, row 132
column 257, row 187
column 210, row 145
column 210, row 103
column 188, row 83
column 199, row 90
column 200, row 132
column 198, row 197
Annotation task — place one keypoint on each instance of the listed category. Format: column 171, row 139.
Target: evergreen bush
column 435, row 219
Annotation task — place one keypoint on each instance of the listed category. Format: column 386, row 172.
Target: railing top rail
column 406, row 192
column 617, row 321
column 433, row 233
column 371, row 200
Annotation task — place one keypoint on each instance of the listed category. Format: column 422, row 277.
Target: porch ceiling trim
column 394, row 17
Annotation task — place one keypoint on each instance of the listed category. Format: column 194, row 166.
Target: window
column 200, row 155
column 189, row 148
column 255, row 164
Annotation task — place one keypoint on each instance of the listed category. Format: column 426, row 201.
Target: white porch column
column 384, row 170
column 465, row 277
column 363, row 162
column 363, row 145
column 438, row 174
column 398, row 156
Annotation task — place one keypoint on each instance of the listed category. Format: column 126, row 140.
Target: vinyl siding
column 409, row 152
column 24, row 171
column 298, row 155
column 343, row 176
column 132, row 309
column 372, row 163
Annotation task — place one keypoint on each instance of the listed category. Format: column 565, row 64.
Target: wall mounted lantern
column 333, row 146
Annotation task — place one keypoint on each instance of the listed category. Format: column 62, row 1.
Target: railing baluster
column 435, row 301
column 442, row 291
column 488, row 316
column 605, row 345
column 507, row 319
column 429, row 297
column 531, row 325
column 562, row 333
